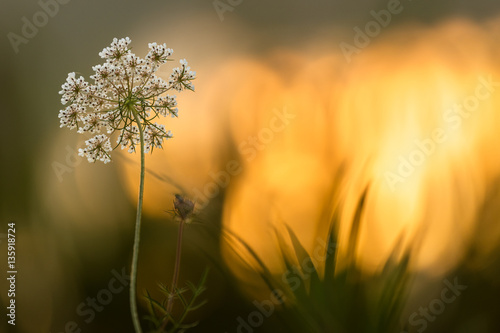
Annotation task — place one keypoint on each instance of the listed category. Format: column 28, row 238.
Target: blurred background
column 293, row 100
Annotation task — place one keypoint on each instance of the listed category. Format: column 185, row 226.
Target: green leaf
column 266, row 275
column 355, row 228
column 331, row 256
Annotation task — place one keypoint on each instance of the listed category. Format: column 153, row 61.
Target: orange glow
column 391, row 109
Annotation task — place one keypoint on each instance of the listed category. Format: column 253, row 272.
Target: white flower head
column 73, row 89
column 129, row 138
column 158, row 54
column 98, row 148
column 93, row 123
column 182, row 76
column 70, row 116
column 124, row 99
column 167, row 105
column 154, row 135
column 117, row 49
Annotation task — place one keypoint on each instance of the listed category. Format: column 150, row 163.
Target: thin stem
column 137, row 237
column 176, row 274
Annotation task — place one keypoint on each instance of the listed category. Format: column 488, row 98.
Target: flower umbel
column 124, row 100
column 125, row 85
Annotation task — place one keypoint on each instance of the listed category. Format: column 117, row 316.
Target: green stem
column 176, row 275
column 137, row 236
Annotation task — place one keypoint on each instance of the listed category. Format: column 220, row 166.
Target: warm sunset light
column 419, row 135
column 235, row 166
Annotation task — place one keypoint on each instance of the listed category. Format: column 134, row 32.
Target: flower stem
column 137, row 236
column 175, row 280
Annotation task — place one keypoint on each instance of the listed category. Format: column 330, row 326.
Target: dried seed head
column 183, row 207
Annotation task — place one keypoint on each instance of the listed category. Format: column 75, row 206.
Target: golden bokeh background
column 278, row 119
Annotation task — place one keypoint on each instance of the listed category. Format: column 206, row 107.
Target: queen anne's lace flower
column 116, row 51
column 158, row 54
column 71, row 116
column 181, row 77
column 97, row 149
column 155, row 134
column 74, row 89
column 125, row 88
column 167, row 105
column 130, row 138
